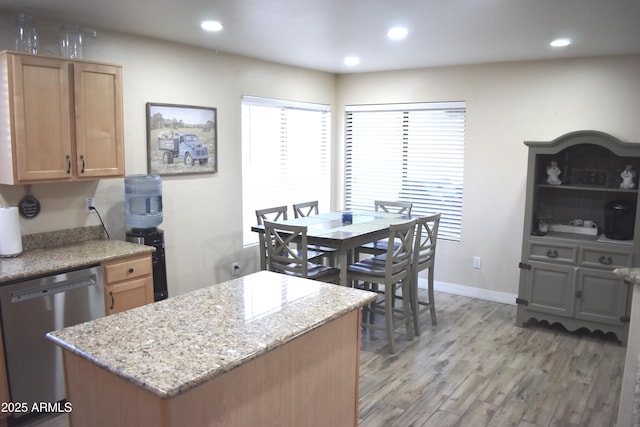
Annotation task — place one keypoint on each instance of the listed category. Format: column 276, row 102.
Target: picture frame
column 181, row 139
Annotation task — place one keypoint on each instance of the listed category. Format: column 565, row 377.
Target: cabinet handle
column 578, row 294
column 82, row 160
column 606, row 260
column 131, row 270
column 113, row 302
column 552, row 253
column 68, row 164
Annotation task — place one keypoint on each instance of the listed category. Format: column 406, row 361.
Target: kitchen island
column 264, row 348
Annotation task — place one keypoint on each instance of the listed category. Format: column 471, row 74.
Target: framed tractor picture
column 181, row 139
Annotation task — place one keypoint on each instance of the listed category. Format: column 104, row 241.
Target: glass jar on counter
column 26, row 34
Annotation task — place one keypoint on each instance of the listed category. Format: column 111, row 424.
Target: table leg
column 342, row 262
column 263, row 250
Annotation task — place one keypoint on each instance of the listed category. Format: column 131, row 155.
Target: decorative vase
column 543, row 227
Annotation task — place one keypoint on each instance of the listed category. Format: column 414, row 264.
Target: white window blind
column 285, row 156
column 407, row 152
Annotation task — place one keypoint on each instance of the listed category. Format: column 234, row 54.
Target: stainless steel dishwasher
column 30, row 309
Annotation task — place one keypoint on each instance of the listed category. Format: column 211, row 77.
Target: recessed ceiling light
column 351, row 60
column 211, row 25
column 397, row 33
column 560, row 42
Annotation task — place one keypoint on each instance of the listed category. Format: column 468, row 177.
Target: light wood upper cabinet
column 62, row 119
column 98, row 120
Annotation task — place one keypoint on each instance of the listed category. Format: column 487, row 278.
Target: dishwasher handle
column 54, row 288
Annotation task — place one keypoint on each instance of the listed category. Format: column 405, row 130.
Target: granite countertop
column 174, row 345
column 49, row 260
column 629, row 275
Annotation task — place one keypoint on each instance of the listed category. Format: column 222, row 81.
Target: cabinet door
column 98, row 120
column 127, row 295
column 549, row 288
column 600, row 297
column 41, row 118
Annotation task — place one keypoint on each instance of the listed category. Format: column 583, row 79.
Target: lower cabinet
column 128, row 283
column 548, row 288
column 574, row 285
column 602, row 298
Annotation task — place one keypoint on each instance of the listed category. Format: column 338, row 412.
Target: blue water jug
column 143, row 201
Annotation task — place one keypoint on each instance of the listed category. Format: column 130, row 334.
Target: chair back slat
column 287, row 248
column 424, row 251
column 268, row 214
column 305, row 209
column 271, row 214
column 393, row 206
column 399, row 251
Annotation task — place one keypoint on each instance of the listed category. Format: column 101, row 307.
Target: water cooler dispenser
column 143, row 213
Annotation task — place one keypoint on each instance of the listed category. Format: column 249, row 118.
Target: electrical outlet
column 89, row 202
column 235, row 268
column 477, row 262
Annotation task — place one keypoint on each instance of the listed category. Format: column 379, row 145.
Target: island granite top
column 174, row 345
column 49, row 260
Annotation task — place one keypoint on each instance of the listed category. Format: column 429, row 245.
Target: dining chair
column 306, row 209
column 380, row 246
column 283, row 256
column 424, row 256
column 390, row 269
column 393, row 206
column 268, row 214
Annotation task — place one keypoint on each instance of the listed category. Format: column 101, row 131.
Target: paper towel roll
column 10, row 237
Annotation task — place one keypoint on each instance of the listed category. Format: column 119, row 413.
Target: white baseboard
column 469, row 291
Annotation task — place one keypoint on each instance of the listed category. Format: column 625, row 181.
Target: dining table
column 328, row 229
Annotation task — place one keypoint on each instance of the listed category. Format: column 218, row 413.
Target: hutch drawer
column 553, row 252
column 604, row 258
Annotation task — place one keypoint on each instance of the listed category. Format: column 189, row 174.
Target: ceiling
column 319, row 34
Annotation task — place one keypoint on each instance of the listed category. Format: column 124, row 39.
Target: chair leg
column 406, row 307
column 363, row 315
column 372, row 313
column 366, row 310
column 432, row 301
column 331, row 259
column 415, row 304
column 388, row 302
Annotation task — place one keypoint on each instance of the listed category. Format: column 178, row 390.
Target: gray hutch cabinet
column 574, row 186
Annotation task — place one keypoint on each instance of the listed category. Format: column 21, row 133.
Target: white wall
column 507, row 104
column 202, row 213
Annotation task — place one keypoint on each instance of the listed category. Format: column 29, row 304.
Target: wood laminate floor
column 477, row 368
